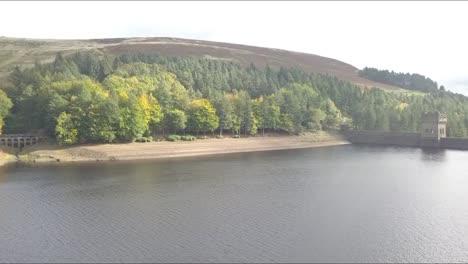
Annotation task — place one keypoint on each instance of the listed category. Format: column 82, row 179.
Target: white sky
column 430, row 38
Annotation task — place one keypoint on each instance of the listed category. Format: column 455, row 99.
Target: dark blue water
column 332, row 204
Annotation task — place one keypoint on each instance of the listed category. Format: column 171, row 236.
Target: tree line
column 413, row 81
column 5, row 106
column 86, row 98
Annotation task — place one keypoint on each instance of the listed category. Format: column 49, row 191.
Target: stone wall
column 454, row 143
column 429, row 142
column 410, row 139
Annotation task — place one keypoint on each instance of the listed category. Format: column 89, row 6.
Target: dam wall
column 410, row 139
column 407, row 139
column 454, row 143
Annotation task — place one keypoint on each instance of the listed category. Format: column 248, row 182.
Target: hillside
column 127, row 90
column 23, row 52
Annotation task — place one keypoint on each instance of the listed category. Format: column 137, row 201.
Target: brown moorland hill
column 24, row 52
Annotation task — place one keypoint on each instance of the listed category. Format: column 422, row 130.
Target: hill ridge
column 24, row 51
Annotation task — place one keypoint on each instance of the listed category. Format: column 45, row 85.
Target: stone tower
column 433, row 127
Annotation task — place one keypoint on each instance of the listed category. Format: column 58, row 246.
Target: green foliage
column 132, row 122
column 271, row 112
column 224, row 109
column 82, row 98
column 202, row 116
column 300, row 106
column 144, row 139
column 173, row 137
column 154, row 112
column 409, row 81
column 286, row 123
column 5, row 106
column 267, row 113
column 314, row 119
column 66, row 132
column 175, row 120
column 333, row 117
column 244, row 115
column 188, row 138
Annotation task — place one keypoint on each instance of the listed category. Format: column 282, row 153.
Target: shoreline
column 53, row 154
column 6, row 158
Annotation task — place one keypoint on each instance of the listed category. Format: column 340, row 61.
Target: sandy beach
column 164, row 149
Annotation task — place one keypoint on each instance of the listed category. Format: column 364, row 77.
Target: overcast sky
column 430, row 38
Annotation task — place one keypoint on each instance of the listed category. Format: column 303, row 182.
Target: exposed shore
column 157, row 150
column 6, row 158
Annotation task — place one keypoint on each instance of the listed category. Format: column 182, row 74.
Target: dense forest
column 413, row 81
column 84, row 98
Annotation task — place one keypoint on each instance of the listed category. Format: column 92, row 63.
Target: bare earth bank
column 6, row 157
column 165, row 149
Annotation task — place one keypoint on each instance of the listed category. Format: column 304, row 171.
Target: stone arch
column 18, row 141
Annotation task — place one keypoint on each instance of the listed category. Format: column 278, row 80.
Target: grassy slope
column 23, row 52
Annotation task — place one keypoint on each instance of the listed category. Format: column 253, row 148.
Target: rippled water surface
column 343, row 203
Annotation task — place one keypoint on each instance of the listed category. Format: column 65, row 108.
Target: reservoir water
column 331, row 204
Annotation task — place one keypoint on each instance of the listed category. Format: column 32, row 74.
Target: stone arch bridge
column 20, row 140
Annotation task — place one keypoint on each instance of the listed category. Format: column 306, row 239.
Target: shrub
column 202, row 137
column 188, row 138
column 218, row 136
column 236, row 136
column 144, row 139
column 173, row 137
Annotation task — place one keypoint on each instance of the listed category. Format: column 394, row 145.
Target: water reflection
column 433, row 154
